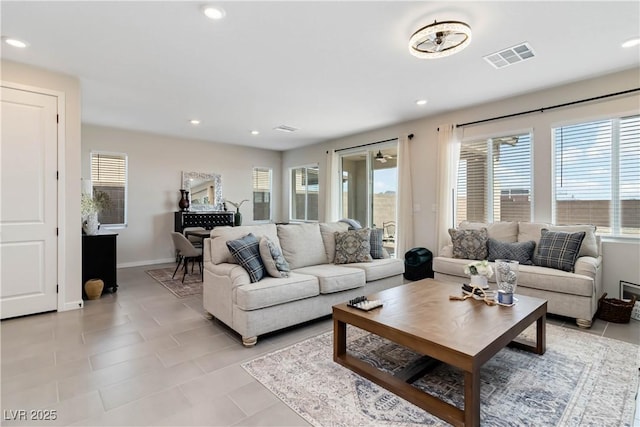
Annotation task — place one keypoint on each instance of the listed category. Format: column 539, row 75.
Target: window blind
column 261, row 194
column 597, row 178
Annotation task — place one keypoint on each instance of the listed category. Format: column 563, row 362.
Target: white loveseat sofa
column 314, row 285
column 572, row 294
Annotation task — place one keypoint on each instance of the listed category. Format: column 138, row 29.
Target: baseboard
column 147, row 262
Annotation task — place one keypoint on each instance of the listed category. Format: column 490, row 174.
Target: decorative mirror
column 205, row 190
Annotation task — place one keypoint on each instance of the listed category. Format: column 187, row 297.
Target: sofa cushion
column 302, row 244
column 380, row 268
column 558, row 249
column 335, row 278
column 589, row 245
column 530, row 231
column 246, row 252
column 517, row 251
column 377, row 251
column 469, row 244
column 220, row 235
column 272, row 258
column 328, row 230
column 504, row 231
column 273, row 291
column 353, row 246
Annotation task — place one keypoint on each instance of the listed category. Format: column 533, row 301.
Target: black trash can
column 418, row 264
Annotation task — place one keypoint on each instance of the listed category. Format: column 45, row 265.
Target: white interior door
column 28, row 204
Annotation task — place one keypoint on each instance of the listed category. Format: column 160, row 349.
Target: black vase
column 184, row 201
column 237, row 218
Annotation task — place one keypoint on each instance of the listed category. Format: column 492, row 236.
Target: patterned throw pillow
column 272, row 258
column 353, row 246
column 519, row 251
column 246, row 253
column 469, row 244
column 377, row 251
column 558, row 250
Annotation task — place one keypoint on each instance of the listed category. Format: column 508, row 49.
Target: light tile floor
column 144, row 357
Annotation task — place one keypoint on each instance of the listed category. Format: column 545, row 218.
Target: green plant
column 96, row 204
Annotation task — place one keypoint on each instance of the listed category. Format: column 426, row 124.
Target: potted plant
column 90, row 207
column 479, row 273
column 237, row 217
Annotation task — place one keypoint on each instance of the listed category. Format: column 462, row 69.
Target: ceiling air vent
column 285, row 128
column 510, row 56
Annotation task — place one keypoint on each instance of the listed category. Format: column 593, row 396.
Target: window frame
column 615, row 208
column 125, row 157
column 490, row 174
column 292, row 195
column 270, row 192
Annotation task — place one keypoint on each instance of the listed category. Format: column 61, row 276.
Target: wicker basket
column 615, row 310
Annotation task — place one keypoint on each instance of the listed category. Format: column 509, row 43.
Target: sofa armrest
column 588, row 266
column 237, row 275
column 446, row 251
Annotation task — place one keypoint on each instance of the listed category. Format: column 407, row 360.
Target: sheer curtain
column 448, row 157
column 404, row 233
column 332, row 191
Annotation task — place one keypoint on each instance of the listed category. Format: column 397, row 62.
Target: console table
column 206, row 220
column 99, row 256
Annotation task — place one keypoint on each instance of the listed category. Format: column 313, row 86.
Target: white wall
column 70, row 230
column 424, row 160
column 155, row 165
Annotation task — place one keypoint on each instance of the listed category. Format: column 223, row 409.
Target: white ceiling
column 328, row 68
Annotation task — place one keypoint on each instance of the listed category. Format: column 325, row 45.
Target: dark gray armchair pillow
column 518, row 251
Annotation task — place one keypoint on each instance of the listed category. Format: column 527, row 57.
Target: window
column 597, row 175
column 494, row 180
column 261, row 194
column 304, row 194
column 109, row 176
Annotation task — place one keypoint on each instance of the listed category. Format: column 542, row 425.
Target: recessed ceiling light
column 15, row 42
column 255, row 132
column 213, row 12
column 631, row 42
column 421, row 102
column 194, row 121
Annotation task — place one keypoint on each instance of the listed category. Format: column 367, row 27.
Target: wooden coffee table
column 464, row 334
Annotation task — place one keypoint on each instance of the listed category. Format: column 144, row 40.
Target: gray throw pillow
column 272, row 258
column 353, row 246
column 558, row 250
column 377, row 251
column 518, row 251
column 469, row 244
column 246, row 253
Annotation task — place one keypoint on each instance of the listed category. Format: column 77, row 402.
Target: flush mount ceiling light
column 440, row 39
column 213, row 12
column 15, row 42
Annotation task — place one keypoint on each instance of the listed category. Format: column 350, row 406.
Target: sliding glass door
column 369, row 188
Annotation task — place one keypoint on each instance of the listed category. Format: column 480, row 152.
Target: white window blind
column 304, row 194
column 597, row 175
column 109, row 176
column 494, row 180
column 261, row 194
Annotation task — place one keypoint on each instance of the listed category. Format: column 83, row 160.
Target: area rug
column 192, row 283
column 582, row 379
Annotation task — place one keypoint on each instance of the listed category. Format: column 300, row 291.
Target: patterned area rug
column 192, row 283
column 582, row 379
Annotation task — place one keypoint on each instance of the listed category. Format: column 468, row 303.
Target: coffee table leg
column 541, row 334
column 472, row 398
column 339, row 338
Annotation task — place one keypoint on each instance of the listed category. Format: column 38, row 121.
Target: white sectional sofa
column 572, row 294
column 314, row 284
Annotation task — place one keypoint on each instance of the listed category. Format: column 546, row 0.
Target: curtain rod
column 410, row 136
column 552, row 107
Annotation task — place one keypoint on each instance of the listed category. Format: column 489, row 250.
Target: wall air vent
column 510, row 56
column 285, row 128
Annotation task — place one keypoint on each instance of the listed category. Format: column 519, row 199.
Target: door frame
column 61, row 186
